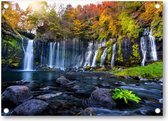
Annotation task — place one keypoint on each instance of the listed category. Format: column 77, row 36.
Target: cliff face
column 11, row 46
column 130, row 53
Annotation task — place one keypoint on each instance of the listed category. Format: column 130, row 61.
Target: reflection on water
column 27, row 76
column 30, row 75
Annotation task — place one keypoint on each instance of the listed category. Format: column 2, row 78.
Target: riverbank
column 151, row 71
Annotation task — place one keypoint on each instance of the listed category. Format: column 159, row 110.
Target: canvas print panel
column 82, row 58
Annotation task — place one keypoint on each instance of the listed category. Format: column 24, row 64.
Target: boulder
column 101, row 97
column 63, row 81
column 31, row 107
column 17, row 94
column 48, row 96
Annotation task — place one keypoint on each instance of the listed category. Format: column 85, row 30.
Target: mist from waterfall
column 28, row 56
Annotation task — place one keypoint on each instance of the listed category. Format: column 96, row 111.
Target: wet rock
column 100, row 78
column 161, row 80
column 48, row 96
column 120, row 83
column 105, row 84
column 31, row 107
column 48, row 88
column 142, row 79
column 101, row 97
column 139, row 78
column 17, row 94
column 64, row 105
column 63, row 81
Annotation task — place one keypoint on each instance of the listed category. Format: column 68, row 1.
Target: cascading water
column 29, row 56
column 57, row 55
column 94, row 59
column 63, row 56
column 113, row 55
column 89, row 55
column 103, row 57
column 153, row 52
column 51, row 54
column 143, row 44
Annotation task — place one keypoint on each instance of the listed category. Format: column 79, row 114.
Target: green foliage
column 154, row 70
column 119, row 56
column 12, row 43
column 109, row 50
column 127, row 95
column 135, row 58
column 100, row 52
column 87, row 68
column 128, row 26
column 157, row 27
column 89, row 22
column 109, row 53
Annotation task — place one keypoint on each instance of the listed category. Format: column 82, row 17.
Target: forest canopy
column 90, row 22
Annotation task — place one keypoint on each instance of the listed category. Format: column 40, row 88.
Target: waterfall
column 94, row 59
column 41, row 58
column 63, row 56
column 88, row 55
column 153, row 52
column 113, row 55
column 51, row 54
column 143, row 44
column 28, row 56
column 103, row 57
column 57, row 55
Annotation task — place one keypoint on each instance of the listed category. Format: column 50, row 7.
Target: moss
column 109, row 54
column 157, row 27
column 135, row 57
column 14, row 63
column 109, row 43
column 100, row 52
column 3, row 61
column 119, row 57
column 154, row 70
column 101, row 69
column 87, row 68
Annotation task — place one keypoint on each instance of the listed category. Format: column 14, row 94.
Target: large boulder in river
column 63, row 81
column 17, row 94
column 101, row 97
column 31, row 107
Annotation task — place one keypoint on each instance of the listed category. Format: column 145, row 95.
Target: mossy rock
column 109, row 43
column 101, row 69
column 14, row 65
column 100, row 52
column 109, row 54
column 87, row 68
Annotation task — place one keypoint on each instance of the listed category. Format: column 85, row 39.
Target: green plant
column 120, row 93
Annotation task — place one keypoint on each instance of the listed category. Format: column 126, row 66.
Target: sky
column 24, row 4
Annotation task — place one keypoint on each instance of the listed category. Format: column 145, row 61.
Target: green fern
column 119, row 93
